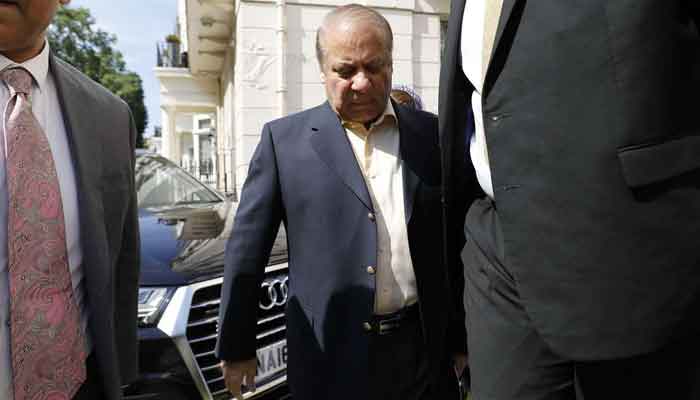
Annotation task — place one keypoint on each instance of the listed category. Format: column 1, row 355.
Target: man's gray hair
column 354, row 13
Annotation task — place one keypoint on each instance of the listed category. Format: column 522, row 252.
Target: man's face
column 23, row 23
column 356, row 71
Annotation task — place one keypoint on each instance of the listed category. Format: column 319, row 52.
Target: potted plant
column 173, row 48
column 172, row 38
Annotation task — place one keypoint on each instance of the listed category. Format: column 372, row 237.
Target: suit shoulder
column 92, row 90
column 296, row 118
column 423, row 125
column 433, row 118
column 415, row 116
column 426, row 117
column 294, row 123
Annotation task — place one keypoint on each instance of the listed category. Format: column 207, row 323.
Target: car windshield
column 160, row 183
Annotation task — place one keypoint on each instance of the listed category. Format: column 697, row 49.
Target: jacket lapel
column 410, row 179
column 81, row 126
column 506, row 14
column 331, row 144
column 82, row 129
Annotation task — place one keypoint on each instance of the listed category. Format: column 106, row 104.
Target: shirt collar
column 38, row 66
column 388, row 116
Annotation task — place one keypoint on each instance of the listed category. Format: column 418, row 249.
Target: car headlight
column 152, row 303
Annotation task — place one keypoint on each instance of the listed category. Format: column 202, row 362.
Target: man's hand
column 237, row 373
column 460, row 363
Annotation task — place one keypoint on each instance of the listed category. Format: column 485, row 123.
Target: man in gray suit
column 70, row 254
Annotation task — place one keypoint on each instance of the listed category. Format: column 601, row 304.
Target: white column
column 216, row 143
column 226, row 136
column 168, row 116
column 213, row 158
column 282, row 57
column 196, row 148
column 177, row 147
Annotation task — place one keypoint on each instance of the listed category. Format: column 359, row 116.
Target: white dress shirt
column 472, row 47
column 47, row 111
column 377, row 153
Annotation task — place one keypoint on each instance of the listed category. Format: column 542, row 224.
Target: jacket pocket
column 651, row 163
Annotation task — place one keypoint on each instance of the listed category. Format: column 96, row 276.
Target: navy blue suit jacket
column 304, row 174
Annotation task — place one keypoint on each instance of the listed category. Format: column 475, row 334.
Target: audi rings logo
column 274, row 293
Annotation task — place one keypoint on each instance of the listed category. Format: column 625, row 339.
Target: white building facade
column 251, row 61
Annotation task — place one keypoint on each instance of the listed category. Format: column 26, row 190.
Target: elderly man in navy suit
column 356, row 182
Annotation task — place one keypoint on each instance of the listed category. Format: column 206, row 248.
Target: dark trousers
column 510, row 361
column 92, row 387
column 399, row 367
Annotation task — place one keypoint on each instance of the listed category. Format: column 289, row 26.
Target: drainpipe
column 282, row 53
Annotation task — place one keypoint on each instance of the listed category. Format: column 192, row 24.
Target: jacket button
column 496, row 118
column 371, row 216
column 367, row 326
column 370, row 270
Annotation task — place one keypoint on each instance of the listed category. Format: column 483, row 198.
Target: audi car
column 184, row 229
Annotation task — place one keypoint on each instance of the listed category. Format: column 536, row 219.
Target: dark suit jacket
column 594, row 144
column 101, row 136
column 304, row 173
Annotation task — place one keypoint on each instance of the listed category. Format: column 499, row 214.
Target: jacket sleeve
column 247, row 252
column 454, row 214
column 127, row 277
column 460, row 188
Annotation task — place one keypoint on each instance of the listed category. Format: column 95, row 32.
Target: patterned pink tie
column 47, row 344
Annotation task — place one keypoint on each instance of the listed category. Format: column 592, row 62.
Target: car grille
column 202, row 328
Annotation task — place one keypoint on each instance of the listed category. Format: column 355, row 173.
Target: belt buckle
column 386, row 326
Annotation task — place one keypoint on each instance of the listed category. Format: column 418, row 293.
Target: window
column 204, row 123
column 160, row 183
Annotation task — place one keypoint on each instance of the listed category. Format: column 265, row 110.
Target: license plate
column 271, row 359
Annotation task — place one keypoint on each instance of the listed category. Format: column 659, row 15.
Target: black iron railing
column 168, row 54
column 204, row 171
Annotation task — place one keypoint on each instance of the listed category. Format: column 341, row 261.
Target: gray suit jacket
column 592, row 128
column 102, row 135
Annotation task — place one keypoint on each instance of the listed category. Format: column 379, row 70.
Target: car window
column 160, row 183
column 279, row 248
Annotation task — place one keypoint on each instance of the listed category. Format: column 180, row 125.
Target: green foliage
column 128, row 86
column 74, row 39
column 172, row 39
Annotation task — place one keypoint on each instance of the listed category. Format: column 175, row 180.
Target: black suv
column 184, row 229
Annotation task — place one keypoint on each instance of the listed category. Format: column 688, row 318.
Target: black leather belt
column 388, row 323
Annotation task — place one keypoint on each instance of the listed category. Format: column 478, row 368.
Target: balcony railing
column 204, row 171
column 168, row 55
